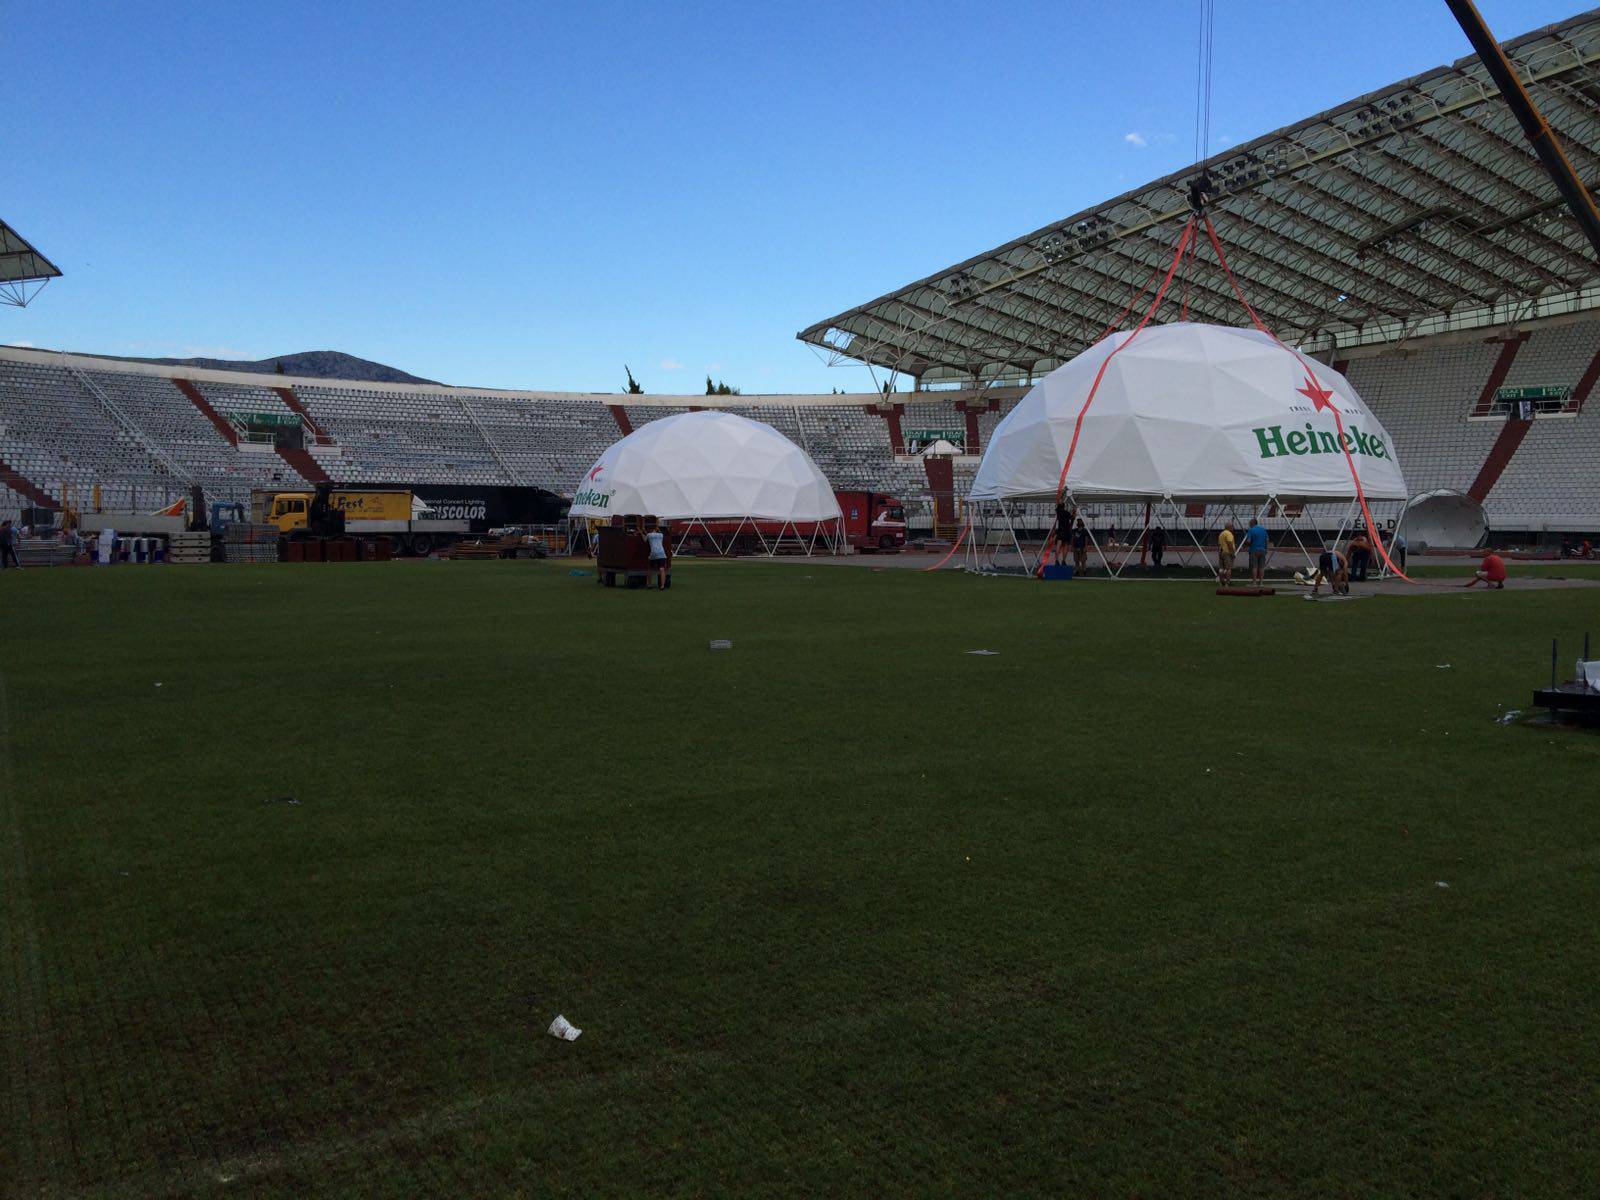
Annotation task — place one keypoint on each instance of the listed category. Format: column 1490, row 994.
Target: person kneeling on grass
column 1493, row 572
column 1334, row 570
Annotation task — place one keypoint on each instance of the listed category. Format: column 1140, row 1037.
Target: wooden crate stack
column 189, row 548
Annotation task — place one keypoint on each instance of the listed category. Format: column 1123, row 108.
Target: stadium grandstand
column 1408, row 238
column 143, row 434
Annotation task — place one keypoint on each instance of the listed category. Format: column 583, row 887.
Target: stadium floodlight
column 23, row 270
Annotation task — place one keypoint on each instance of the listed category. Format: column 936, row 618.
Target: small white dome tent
column 1443, row 519
column 717, row 474
column 1189, row 413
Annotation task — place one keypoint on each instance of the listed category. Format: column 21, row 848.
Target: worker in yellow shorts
column 1226, row 543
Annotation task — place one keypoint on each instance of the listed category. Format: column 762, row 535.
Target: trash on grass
column 577, row 572
column 564, row 1029
column 1506, row 718
column 1440, row 883
column 1443, row 666
column 721, row 644
column 985, row 653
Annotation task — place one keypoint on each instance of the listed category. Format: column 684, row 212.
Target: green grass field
column 1148, row 903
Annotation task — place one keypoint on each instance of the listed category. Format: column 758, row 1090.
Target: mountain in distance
column 313, row 364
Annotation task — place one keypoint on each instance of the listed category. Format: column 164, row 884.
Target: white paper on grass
column 1589, row 674
column 564, row 1029
column 1175, row 415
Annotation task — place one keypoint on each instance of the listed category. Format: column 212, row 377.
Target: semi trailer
column 415, row 520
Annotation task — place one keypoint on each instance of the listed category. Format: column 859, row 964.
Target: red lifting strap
column 1319, row 396
column 1077, row 427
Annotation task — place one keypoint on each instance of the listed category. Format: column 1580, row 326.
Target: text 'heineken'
column 1317, row 441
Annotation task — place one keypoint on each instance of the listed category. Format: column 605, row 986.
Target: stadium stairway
column 25, row 487
column 301, row 461
column 1500, row 453
column 620, row 415
column 891, row 414
column 286, row 394
column 970, row 411
column 298, row 460
column 1509, row 348
column 1580, row 394
column 225, row 428
column 941, row 484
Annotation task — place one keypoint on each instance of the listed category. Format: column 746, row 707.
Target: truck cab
column 874, row 522
column 287, row 511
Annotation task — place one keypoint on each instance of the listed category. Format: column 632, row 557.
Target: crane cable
column 1202, row 87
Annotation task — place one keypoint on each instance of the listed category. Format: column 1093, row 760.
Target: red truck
column 873, row 521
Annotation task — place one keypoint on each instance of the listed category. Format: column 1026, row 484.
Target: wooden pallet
column 471, row 550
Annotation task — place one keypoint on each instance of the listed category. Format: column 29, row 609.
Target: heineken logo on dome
column 592, row 498
column 1275, row 443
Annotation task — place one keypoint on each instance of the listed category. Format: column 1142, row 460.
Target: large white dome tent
column 1190, row 414
column 716, row 474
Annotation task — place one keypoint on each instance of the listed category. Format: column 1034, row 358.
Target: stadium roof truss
column 21, row 266
column 1414, row 210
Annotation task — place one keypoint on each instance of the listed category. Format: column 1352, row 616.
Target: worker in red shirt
column 1492, row 572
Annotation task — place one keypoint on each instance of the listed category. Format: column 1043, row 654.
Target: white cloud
column 713, row 366
column 1135, row 139
column 23, row 345
column 671, row 364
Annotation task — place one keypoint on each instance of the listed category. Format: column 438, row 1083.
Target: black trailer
column 483, row 507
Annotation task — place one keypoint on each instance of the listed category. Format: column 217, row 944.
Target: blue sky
column 529, row 195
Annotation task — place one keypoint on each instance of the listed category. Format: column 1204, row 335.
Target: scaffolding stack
column 246, row 543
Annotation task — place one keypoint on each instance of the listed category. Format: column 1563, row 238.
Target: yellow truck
column 397, row 516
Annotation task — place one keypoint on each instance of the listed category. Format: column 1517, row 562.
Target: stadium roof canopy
column 20, row 265
column 1416, row 209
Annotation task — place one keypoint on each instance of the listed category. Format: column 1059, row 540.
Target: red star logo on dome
column 595, row 474
column 1319, row 396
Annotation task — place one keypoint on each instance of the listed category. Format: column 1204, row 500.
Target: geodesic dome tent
column 1189, row 412
column 1443, row 519
column 717, row 473
column 1172, row 416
